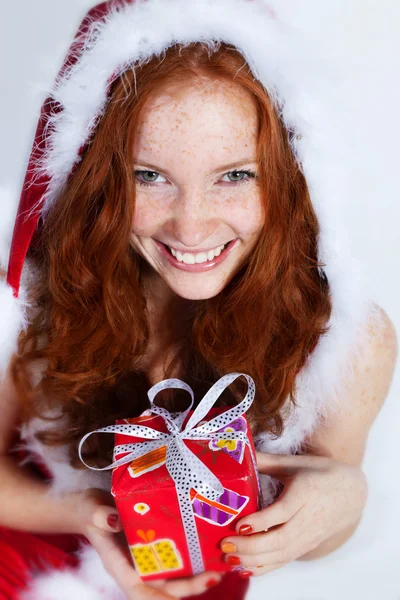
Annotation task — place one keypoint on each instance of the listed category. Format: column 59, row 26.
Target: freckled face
column 184, row 140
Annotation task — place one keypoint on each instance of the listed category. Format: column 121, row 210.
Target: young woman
column 182, row 216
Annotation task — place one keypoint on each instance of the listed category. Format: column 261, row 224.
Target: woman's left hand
column 321, row 497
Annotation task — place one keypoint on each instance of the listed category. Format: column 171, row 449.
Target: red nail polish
column 245, row 529
column 211, row 582
column 233, row 560
column 245, row 574
column 112, row 521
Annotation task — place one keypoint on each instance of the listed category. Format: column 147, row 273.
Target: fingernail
column 233, row 560
column 228, row 547
column 211, row 582
column 245, row 574
column 245, row 529
column 112, row 521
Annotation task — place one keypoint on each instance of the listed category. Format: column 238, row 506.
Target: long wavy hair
column 91, row 309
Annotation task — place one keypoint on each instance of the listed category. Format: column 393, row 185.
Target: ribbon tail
column 189, row 525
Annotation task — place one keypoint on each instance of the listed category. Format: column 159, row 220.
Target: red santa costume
column 113, row 36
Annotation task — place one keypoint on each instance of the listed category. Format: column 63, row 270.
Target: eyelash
column 248, row 172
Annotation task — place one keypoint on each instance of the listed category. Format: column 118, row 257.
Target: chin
column 197, row 292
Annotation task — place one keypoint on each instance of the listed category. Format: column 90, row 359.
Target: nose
column 192, row 222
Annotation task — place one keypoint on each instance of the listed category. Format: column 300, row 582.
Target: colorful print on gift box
column 152, row 460
column 159, row 556
column 220, row 512
column 141, row 508
column 235, row 448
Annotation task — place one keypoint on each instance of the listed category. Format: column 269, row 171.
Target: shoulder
column 343, row 434
column 378, row 360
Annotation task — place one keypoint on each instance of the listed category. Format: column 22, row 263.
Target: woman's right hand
column 98, row 521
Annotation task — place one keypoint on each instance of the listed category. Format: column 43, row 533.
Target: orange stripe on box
column 150, row 459
column 139, row 419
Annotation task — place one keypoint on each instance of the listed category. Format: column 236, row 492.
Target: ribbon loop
column 208, row 402
column 175, row 419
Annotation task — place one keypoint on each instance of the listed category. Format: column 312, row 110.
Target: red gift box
column 176, row 511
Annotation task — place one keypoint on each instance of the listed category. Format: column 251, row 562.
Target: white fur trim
column 321, row 388
column 9, row 205
column 13, row 311
column 56, row 460
column 13, row 320
column 89, row 581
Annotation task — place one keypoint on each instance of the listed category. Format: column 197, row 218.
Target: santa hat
column 116, row 34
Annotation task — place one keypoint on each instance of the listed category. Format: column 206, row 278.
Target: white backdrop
column 361, row 37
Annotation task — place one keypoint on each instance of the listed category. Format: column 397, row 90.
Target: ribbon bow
column 185, row 468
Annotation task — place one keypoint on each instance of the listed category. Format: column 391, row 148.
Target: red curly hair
column 88, row 295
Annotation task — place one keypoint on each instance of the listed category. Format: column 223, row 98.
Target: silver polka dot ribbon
column 186, row 470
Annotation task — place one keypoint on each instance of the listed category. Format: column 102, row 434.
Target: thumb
column 101, row 511
column 106, row 518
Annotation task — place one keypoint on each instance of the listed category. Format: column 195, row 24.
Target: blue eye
column 145, row 183
column 244, row 173
column 250, row 175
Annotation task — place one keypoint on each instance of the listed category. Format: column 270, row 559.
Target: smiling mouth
column 199, row 252
column 193, row 265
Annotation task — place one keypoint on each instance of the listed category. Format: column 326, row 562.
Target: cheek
column 246, row 211
column 148, row 217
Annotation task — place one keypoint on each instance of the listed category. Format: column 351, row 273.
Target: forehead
column 198, row 112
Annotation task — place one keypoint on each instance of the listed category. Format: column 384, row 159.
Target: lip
column 197, row 267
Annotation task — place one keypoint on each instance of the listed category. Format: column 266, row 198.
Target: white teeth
column 191, row 259
column 201, row 257
column 210, row 255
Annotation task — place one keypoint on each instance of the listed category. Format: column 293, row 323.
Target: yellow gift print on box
column 157, row 556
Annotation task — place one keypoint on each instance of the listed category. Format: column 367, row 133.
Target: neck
column 168, row 312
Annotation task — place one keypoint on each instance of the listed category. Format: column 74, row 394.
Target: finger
column 265, row 562
column 260, row 570
column 190, row 586
column 279, row 547
column 279, row 466
column 275, row 539
column 278, row 513
column 250, row 544
column 107, row 519
column 254, row 561
column 114, row 558
column 121, row 569
column 283, row 466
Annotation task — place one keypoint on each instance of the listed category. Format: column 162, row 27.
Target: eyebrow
column 219, row 170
